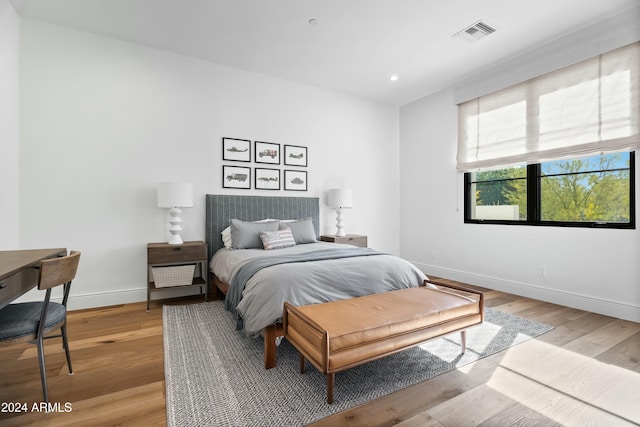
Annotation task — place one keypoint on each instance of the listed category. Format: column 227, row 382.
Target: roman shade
column 587, row 108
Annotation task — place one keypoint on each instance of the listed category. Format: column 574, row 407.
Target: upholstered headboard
column 220, row 209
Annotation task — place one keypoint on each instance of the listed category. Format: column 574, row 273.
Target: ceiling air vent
column 475, row 31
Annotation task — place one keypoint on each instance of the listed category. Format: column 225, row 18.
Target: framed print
column 295, row 180
column 295, row 155
column 267, row 152
column 267, row 179
column 236, row 150
column 236, row 177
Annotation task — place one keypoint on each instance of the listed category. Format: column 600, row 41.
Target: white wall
column 102, row 121
column 9, row 125
column 592, row 269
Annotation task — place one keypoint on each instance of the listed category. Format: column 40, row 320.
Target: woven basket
column 179, row 275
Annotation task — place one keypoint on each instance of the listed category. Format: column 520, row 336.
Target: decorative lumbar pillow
column 303, row 231
column 277, row 239
column 246, row 235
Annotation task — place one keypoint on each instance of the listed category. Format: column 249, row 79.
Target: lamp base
column 340, row 223
column 174, row 226
column 175, row 240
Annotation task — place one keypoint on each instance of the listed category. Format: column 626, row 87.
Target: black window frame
column 534, row 203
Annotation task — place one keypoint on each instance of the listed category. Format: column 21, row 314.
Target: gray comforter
column 259, row 303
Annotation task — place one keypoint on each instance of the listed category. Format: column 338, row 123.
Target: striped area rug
column 214, row 374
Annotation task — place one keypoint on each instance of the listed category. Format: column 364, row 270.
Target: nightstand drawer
column 162, row 253
column 349, row 239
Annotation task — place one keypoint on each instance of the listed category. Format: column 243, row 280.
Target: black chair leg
column 43, row 371
column 65, row 344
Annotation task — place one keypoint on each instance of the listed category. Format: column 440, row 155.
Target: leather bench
column 338, row 335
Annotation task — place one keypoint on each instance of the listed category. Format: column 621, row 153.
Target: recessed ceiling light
column 393, row 78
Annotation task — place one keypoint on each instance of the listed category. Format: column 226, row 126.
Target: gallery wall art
column 267, row 157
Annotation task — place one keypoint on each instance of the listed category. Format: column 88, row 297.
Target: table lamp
column 340, row 198
column 175, row 195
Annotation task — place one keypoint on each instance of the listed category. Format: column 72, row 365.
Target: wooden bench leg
column 463, row 339
column 330, row 381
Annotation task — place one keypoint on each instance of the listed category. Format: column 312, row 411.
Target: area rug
column 214, row 374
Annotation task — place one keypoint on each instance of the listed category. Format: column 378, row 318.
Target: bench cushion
column 380, row 316
column 340, row 334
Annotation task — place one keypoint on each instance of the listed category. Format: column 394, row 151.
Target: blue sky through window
column 589, row 164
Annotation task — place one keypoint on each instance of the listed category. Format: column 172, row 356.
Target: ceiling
column 354, row 46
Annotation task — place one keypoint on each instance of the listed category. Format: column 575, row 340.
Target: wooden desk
column 16, row 273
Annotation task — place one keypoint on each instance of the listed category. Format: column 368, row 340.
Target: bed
column 256, row 282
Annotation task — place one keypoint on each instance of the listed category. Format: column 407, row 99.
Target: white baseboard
column 104, row 299
column 582, row 302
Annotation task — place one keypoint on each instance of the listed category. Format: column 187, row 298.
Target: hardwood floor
column 584, row 372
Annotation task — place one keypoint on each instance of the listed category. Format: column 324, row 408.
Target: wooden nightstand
column 349, row 239
column 166, row 255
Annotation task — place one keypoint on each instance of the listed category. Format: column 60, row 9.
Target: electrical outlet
column 542, row 271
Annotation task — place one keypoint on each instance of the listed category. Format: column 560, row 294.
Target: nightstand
column 348, row 239
column 162, row 255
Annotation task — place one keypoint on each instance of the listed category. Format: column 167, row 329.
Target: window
column 594, row 191
column 497, row 195
column 558, row 149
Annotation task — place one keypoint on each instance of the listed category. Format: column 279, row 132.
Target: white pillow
column 226, row 237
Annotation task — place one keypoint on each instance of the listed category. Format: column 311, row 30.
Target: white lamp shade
column 340, row 198
column 175, row 194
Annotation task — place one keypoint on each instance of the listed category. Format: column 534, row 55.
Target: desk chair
column 31, row 321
